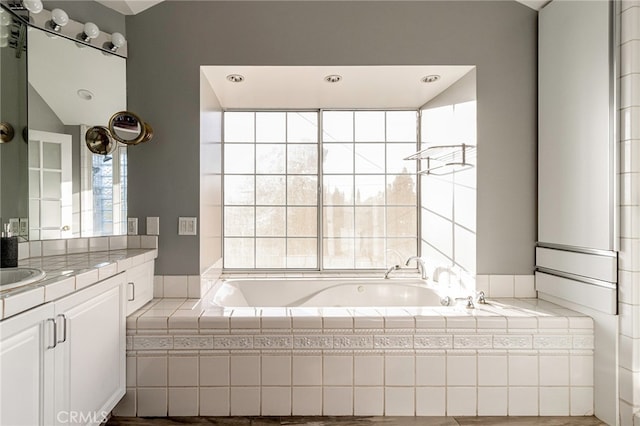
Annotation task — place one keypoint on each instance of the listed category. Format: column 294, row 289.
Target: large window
column 299, row 198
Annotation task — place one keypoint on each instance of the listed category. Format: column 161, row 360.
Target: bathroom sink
column 15, row 277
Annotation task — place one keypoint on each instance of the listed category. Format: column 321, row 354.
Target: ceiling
column 132, row 7
column 305, row 87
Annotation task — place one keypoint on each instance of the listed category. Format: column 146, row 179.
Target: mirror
column 99, row 140
column 71, row 88
column 126, row 127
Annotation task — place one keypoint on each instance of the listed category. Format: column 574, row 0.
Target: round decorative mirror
column 126, row 127
column 99, row 140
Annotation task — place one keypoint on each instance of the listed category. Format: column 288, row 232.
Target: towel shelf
column 444, row 159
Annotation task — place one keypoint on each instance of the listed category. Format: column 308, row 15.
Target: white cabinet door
column 26, row 373
column 139, row 286
column 90, row 358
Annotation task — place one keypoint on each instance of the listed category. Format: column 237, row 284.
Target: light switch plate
column 132, row 226
column 153, row 226
column 14, row 226
column 24, row 226
column 187, row 225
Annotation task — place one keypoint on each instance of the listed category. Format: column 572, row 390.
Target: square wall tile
column 461, row 370
column 276, row 371
column 430, row 370
column 399, row 401
column 523, row 370
column 431, row 401
column 194, row 286
column 554, row 401
column 158, row 286
column 461, row 401
column 214, row 401
column 523, row 401
column 524, row 286
column 214, row 370
column 581, row 370
column 501, row 285
column 554, row 370
column 152, row 402
column 245, row 371
column 175, row 286
column 127, row 405
column 183, row 401
column 131, row 371
column 368, row 370
column 245, row 401
column 581, row 401
column 152, row 371
column 276, row 401
column 399, row 371
column 492, row 401
column 306, row 401
column 492, row 370
column 307, row 371
column 368, row 401
column 337, row 370
column 337, row 401
column 183, row 371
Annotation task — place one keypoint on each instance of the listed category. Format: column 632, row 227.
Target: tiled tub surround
column 510, row 357
column 66, row 273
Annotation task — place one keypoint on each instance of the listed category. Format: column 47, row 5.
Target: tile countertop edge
column 91, row 269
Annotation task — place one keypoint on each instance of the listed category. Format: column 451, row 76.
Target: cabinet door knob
column 133, row 291
column 55, row 333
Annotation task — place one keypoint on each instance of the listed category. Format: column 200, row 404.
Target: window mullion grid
column 353, row 179
column 286, row 190
column 255, row 193
column 320, row 195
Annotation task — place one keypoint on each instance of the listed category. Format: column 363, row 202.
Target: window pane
column 270, row 221
column 302, row 221
column 238, row 253
column 370, row 222
column 369, row 252
column 270, row 127
column 370, row 158
column 401, row 222
column 400, row 248
column 238, row 221
column 338, row 190
column 401, row 190
column 34, row 154
column 337, row 126
column 270, row 159
column 302, row 190
column 370, row 190
column 51, row 156
column 238, row 158
column 270, row 190
column 270, row 252
column 238, row 126
column 395, row 158
column 338, row 222
column 337, row 158
column 402, row 126
column 34, row 184
column 302, row 127
column 302, row 159
column 238, row 190
column 369, row 126
column 302, row 253
column 338, row 253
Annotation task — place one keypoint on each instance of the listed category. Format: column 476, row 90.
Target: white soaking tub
column 335, row 292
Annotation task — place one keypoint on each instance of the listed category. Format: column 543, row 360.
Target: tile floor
column 355, row 421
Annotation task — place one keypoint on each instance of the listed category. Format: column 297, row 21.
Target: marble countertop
column 68, row 273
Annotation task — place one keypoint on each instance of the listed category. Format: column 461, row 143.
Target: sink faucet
column 439, row 271
column 419, row 264
column 391, row 269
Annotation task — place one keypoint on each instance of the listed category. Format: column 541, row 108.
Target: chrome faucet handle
column 391, row 269
column 480, row 298
column 469, row 300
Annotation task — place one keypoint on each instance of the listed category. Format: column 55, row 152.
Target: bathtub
column 324, row 293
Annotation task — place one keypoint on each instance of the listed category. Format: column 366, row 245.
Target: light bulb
column 33, row 6
column 117, row 41
column 59, row 19
column 90, row 31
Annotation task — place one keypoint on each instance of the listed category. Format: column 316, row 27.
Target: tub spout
column 391, row 269
column 420, row 265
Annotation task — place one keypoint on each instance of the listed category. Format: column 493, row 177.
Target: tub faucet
column 439, row 271
column 391, row 269
column 420, row 265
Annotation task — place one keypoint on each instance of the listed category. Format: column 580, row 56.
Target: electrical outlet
column 153, row 226
column 132, row 226
column 14, row 226
column 24, row 226
column 187, row 225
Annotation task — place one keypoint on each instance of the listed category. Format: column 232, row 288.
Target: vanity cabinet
column 139, row 286
column 64, row 362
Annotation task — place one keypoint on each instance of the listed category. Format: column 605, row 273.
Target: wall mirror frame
column 55, row 187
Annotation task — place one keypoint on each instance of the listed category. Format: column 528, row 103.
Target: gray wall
column 168, row 43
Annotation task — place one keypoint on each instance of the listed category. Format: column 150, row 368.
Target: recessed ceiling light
column 333, row 78
column 430, row 78
column 85, row 94
column 235, row 78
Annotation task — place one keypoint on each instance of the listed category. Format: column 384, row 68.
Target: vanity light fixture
column 235, row 78
column 33, row 6
column 430, row 78
column 117, row 41
column 59, row 19
column 89, row 32
column 333, row 78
